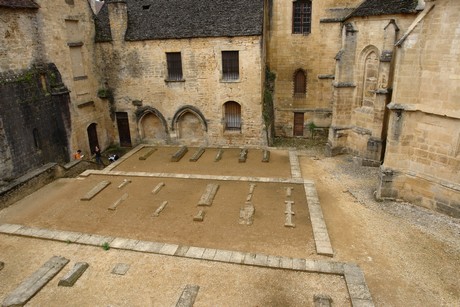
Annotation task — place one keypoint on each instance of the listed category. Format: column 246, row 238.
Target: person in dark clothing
column 97, row 153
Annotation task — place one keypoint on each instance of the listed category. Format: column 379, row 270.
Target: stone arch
column 152, row 125
column 93, row 141
column 368, row 76
column 189, row 125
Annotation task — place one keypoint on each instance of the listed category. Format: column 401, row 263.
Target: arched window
column 370, row 76
column 232, row 115
column 300, row 83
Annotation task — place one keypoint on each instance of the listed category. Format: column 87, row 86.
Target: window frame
column 301, row 17
column 174, row 66
column 230, row 65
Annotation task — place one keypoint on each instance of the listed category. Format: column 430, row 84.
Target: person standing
column 97, row 153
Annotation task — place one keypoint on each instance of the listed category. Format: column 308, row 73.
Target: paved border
column 354, row 277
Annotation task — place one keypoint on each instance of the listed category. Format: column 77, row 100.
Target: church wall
column 136, row 73
column 314, row 53
column 422, row 160
column 364, row 72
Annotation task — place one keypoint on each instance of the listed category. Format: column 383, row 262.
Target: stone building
column 381, row 77
column 192, row 76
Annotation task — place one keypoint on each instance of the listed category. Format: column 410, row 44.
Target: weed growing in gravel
column 106, row 246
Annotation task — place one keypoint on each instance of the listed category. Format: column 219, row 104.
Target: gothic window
column 370, row 78
column 300, row 83
column 230, row 65
column 232, row 116
column 174, row 66
column 301, row 17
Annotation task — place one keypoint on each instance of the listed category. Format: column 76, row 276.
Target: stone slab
column 208, row 195
column 197, row 154
column 159, row 209
column 122, row 243
column 299, row 264
column 120, row 269
column 181, row 250
column 179, row 154
column 9, row 228
column 96, row 190
column 169, row 249
column 286, row 263
column 219, row 155
column 237, row 257
column 222, row 255
column 29, row 287
column 188, row 296
column 273, row 261
column 118, row 201
column 199, row 217
column 158, row 188
column 148, row 154
column 195, row 252
column 73, row 275
column 209, row 254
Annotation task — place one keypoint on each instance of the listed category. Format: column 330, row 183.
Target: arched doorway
column 92, row 137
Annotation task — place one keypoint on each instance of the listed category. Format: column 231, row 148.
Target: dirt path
column 410, row 256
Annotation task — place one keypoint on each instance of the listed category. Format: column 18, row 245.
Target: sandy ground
column 410, row 256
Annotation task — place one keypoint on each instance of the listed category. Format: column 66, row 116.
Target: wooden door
column 123, row 129
column 298, row 124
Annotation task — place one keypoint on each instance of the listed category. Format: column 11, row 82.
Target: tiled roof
column 23, row 4
column 385, row 7
column 163, row 19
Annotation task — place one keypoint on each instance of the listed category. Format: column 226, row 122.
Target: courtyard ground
column 410, row 256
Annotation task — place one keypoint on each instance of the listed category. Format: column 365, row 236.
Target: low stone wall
column 36, row 179
column 430, row 193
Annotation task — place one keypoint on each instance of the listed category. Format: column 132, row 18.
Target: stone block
column 322, row 300
column 121, row 243
column 219, row 155
column 266, row 156
column 148, row 154
column 199, row 217
column 118, row 201
column 73, row 275
column 188, row 296
column 120, row 269
column 158, row 188
column 159, row 209
column 222, row 255
column 209, row 194
column 195, row 252
column 94, row 191
column 124, row 183
column 197, row 154
column 179, row 154
column 209, row 254
column 168, row 249
column 181, row 250
column 29, row 287
column 243, row 155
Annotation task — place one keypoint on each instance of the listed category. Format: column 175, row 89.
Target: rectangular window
column 301, row 17
column 174, row 66
column 230, row 65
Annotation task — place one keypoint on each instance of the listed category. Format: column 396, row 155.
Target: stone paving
column 354, row 277
column 357, row 287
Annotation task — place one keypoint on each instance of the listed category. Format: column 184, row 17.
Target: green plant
column 312, row 127
column 106, row 246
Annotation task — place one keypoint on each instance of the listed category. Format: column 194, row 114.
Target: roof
column 23, row 4
column 164, row 19
column 385, row 7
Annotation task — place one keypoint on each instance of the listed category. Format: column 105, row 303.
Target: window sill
column 80, row 78
column 170, row 80
column 226, row 132
column 230, row 81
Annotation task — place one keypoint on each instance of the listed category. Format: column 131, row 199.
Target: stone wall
column 190, row 110
column 313, row 53
column 363, row 85
column 34, row 120
column 422, row 160
column 62, row 33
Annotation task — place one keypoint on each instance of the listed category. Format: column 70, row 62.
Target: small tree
column 312, row 127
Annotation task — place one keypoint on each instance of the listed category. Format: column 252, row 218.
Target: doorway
column 123, row 129
column 298, row 124
column 92, row 137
